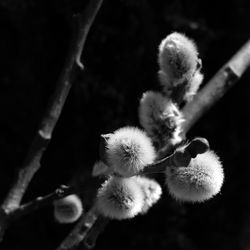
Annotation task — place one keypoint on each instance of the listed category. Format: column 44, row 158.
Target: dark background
column 120, row 60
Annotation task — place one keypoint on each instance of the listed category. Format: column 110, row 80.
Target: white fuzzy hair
column 129, row 150
column 199, row 181
column 177, row 59
column 155, row 112
column 194, row 85
column 69, row 209
column 100, row 168
column 120, row 198
column 152, row 192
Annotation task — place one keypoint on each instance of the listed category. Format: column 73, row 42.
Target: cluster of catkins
column 129, row 150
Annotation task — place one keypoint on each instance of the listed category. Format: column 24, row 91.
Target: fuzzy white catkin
column 199, row 181
column 193, row 86
column 129, row 150
column 69, row 209
column 120, row 198
column 178, row 57
column 160, row 118
column 152, row 192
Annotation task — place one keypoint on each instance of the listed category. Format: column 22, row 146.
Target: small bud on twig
column 69, row 209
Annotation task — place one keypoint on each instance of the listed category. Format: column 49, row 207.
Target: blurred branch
column 216, row 88
column 94, row 232
column 44, row 133
column 85, row 232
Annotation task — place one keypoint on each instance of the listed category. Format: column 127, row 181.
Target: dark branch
column 43, row 136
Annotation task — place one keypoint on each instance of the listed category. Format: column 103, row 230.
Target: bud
column 119, row 198
column 129, row 150
column 193, row 86
column 161, row 118
column 178, row 58
column 69, row 209
column 199, row 181
column 152, row 192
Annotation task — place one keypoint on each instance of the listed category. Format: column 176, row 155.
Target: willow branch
column 11, row 205
column 80, row 231
column 85, row 232
column 216, row 88
column 44, row 133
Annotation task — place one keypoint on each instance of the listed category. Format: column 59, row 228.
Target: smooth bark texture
column 44, row 133
column 216, row 88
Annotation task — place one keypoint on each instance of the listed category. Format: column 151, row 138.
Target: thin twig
column 40, row 202
column 216, row 88
column 44, row 133
column 43, row 136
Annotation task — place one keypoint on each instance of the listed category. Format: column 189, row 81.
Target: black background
column 120, row 60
